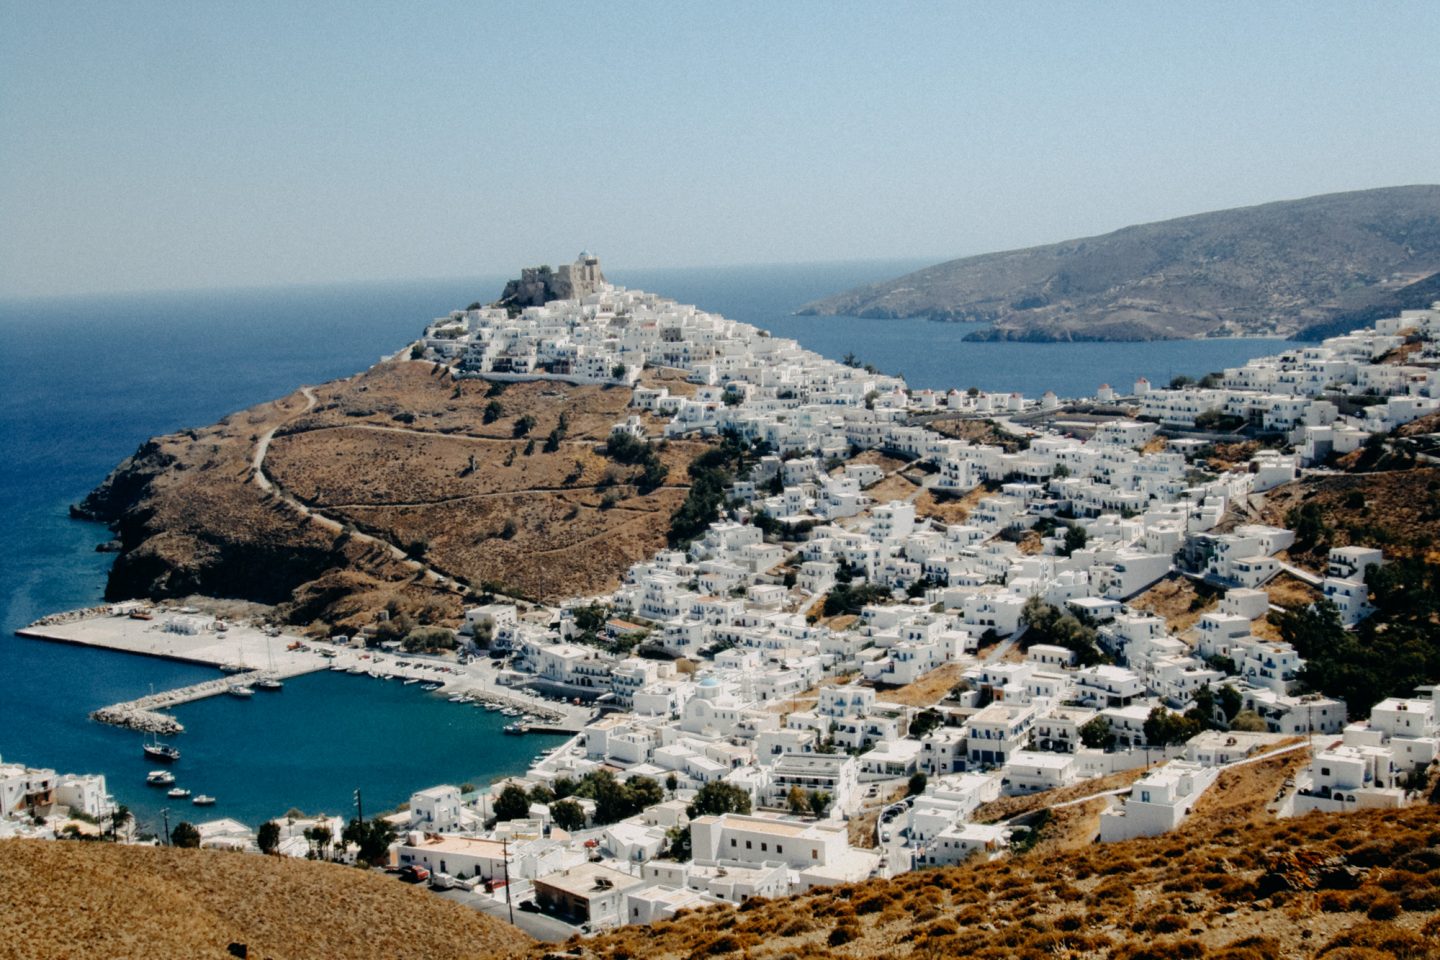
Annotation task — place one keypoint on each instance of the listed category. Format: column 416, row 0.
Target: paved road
column 537, row 925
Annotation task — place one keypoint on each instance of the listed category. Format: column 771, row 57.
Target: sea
column 87, row 379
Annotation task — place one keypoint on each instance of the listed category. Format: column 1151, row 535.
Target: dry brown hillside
column 62, row 900
column 1234, row 883
column 1396, row 510
column 383, row 490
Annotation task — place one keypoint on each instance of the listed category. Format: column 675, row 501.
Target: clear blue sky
column 165, row 145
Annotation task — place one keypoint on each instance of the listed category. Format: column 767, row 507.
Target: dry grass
column 929, row 689
column 1216, row 890
column 1007, row 807
column 1179, row 600
column 948, row 509
column 895, row 487
column 402, row 452
column 1397, row 510
column 99, row 900
column 1288, row 592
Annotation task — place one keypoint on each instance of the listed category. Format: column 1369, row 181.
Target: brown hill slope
column 1233, row 883
column 99, row 900
column 1278, row 267
column 376, row 490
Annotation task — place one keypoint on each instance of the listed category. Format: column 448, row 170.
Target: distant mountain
column 1279, row 268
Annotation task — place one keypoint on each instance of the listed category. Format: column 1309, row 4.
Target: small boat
column 457, row 698
column 159, row 778
column 357, row 669
column 494, row 707
column 510, row 712
column 515, row 728
column 177, row 793
column 338, row 667
column 163, row 752
column 237, row 690
column 269, row 683
column 233, row 668
column 203, row 800
column 431, row 687
column 411, row 681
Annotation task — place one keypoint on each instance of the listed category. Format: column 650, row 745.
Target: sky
column 148, row 145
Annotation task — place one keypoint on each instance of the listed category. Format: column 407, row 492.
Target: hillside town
column 903, row 605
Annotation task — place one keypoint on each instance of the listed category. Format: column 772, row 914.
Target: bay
column 87, row 379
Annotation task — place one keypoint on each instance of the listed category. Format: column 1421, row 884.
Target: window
column 747, row 845
column 779, row 848
column 764, row 847
column 732, row 842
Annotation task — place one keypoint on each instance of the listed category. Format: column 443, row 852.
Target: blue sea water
column 87, row 379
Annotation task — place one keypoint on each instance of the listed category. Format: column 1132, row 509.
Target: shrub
column 1385, row 907
column 843, row 934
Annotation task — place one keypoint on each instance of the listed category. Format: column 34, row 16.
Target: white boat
column 163, row 752
column 338, row 667
column 269, row 683
column 493, row 707
column 159, row 778
column 412, row 680
column 177, row 793
column 203, row 800
column 238, row 690
column 510, row 712
column 356, row 669
column 457, row 698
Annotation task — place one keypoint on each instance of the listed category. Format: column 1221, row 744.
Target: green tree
column 718, row 798
column 819, row 801
column 1230, row 701
column 677, row 844
column 1309, row 526
column 120, row 816
column 1075, row 539
column 564, row 787
column 1165, row 727
column 371, row 838
column 1096, row 734
column 1249, row 721
column 185, row 835
column 319, row 839
column 672, row 782
column 567, row 815
column 512, row 804
column 523, row 426
column 267, row 838
column 494, row 410
column 916, row 785
column 797, row 801
column 542, row 794
column 925, row 721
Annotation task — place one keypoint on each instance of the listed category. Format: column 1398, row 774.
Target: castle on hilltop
column 537, row 286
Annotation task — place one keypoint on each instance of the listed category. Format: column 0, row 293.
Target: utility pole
column 509, row 902
column 359, row 807
column 165, row 812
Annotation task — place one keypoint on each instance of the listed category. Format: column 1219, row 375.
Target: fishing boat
column 510, row 712
column 239, row 690
column 493, row 707
column 411, row 681
column 457, row 698
column 431, row 687
column 163, row 752
column 203, row 800
column 159, row 778
column 177, row 793
column 515, row 728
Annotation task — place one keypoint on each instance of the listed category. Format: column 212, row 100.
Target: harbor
column 251, row 655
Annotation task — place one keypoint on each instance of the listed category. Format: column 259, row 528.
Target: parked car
column 414, row 873
column 529, row 906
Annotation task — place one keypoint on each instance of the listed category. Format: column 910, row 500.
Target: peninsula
column 1280, row 269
